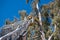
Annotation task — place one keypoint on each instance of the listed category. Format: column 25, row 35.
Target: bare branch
column 43, row 35
column 52, row 33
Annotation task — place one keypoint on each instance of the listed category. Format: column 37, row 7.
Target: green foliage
column 51, row 10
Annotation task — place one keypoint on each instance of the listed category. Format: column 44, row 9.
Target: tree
column 45, row 24
column 7, row 22
column 48, row 11
column 22, row 14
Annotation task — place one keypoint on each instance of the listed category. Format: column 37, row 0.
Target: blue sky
column 9, row 8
